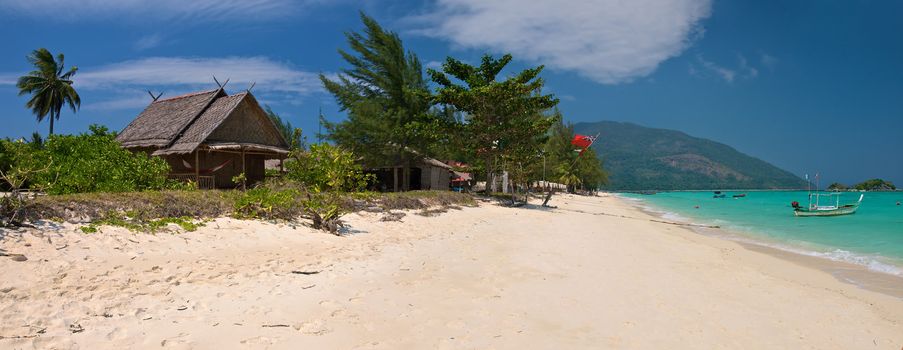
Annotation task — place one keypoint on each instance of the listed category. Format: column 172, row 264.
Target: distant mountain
column 641, row 158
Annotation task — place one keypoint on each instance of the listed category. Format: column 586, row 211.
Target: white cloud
column 186, row 10
column 743, row 70
column 269, row 75
column 128, row 81
column 148, row 42
column 768, row 61
column 433, row 65
column 724, row 73
column 8, row 79
column 608, row 41
column 130, row 100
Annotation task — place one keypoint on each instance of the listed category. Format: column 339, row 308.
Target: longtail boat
column 832, row 208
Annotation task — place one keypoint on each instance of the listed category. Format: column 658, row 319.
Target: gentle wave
column 664, row 214
column 735, row 233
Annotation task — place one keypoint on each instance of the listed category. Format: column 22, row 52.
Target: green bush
column 137, row 224
column 326, row 168
column 267, row 203
column 88, row 162
column 95, row 162
column 146, row 205
column 19, row 162
column 282, row 201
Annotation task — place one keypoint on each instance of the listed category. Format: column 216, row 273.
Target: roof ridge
column 234, row 104
column 191, row 121
column 190, row 94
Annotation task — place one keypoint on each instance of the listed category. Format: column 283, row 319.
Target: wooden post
column 394, row 179
column 406, row 178
column 197, row 169
column 243, row 186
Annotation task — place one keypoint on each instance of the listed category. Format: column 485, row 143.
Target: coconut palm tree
column 49, row 87
column 569, row 177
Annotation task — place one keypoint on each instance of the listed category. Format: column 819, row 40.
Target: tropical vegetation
column 875, row 185
column 492, row 123
column 837, row 187
column 565, row 165
column 88, row 162
column 504, row 124
column 291, row 134
column 386, row 98
column 50, row 86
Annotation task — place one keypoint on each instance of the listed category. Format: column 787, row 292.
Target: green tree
column 503, row 120
column 875, row 185
column 586, row 170
column 49, row 87
column 591, row 170
column 837, row 186
column 568, row 177
column 387, row 100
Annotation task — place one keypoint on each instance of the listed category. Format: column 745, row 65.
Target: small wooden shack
column 424, row 174
column 207, row 137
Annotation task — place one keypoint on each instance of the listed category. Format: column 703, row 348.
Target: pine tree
column 387, row 100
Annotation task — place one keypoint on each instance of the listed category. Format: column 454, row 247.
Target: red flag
column 582, row 141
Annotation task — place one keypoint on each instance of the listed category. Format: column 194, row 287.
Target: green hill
column 641, row 158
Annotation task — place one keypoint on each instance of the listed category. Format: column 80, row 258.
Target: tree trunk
column 51, row 124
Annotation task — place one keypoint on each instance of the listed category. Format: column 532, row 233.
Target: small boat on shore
column 817, row 208
column 718, row 194
column 741, row 195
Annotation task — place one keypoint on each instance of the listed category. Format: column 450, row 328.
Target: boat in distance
column 834, row 209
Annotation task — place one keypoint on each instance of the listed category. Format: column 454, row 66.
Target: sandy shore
column 481, row 278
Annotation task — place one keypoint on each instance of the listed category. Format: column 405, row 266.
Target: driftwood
column 306, row 273
column 545, row 203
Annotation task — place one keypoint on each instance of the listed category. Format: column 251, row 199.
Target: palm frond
column 50, row 88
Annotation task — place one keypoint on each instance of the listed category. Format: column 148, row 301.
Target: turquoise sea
column 872, row 237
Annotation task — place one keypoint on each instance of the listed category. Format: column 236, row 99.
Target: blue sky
column 811, row 86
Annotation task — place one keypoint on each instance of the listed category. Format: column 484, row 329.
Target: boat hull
column 832, row 212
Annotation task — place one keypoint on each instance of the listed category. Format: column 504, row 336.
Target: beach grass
column 147, row 211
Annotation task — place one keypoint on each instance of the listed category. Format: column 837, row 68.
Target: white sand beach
column 476, row 278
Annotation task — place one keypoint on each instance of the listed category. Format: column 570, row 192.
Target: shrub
column 89, row 162
column 325, row 209
column 267, row 203
column 19, row 162
column 326, row 168
column 277, row 200
column 141, row 205
column 95, row 162
column 143, row 225
column 15, row 177
column 283, row 200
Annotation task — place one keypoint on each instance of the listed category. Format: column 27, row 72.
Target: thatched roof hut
column 207, row 136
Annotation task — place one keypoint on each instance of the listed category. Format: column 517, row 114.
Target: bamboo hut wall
column 246, row 124
column 209, row 160
column 434, row 178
